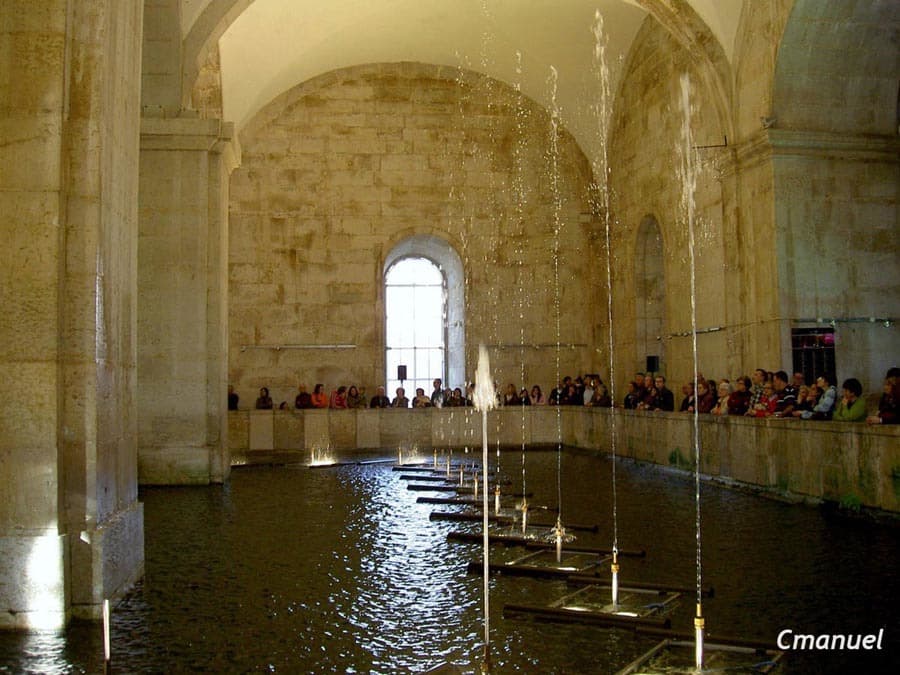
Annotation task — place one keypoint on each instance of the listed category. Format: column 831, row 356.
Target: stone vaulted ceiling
column 269, row 46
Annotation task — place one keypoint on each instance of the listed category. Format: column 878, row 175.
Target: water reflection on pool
column 290, row 569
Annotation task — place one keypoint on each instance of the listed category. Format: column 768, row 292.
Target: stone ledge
column 811, row 460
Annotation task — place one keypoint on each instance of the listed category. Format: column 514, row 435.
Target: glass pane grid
column 414, row 318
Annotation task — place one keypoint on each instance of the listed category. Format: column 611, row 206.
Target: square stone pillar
column 71, row 529
column 183, row 284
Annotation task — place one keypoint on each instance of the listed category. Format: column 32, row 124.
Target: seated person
column 827, row 399
column 633, row 397
column 524, row 397
column 537, row 396
column 421, row 400
column 233, row 398
column 264, row 402
column 559, row 393
column 706, row 400
column 354, row 398
column 765, row 407
column 786, row 393
column 663, row 398
column 319, row 397
column 456, row 399
column 400, row 400
column 303, row 399
column 339, row 398
column 739, row 401
column 687, row 390
column 806, row 399
column 600, row 397
column 721, row 406
column 852, row 406
column 889, row 404
column 379, row 400
column 510, row 397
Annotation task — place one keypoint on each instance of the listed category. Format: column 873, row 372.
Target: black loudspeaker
column 401, row 373
column 652, row 364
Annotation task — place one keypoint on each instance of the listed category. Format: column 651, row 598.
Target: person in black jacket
column 379, row 400
column 664, row 399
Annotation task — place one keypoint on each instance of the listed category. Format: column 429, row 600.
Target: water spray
column 689, row 182
column 485, row 400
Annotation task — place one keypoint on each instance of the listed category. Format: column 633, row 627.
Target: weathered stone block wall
column 848, row 218
column 645, row 163
column 340, row 169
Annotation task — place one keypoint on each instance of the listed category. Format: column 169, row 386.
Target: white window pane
column 429, row 334
column 415, row 313
column 429, row 303
column 436, row 362
column 400, row 303
column 414, row 271
column 392, row 361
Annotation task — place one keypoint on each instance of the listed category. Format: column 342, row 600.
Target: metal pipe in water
column 106, row 659
column 559, row 538
column 699, row 624
column 486, row 572
column 615, row 580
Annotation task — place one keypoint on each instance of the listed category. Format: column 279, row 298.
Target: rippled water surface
column 297, row 570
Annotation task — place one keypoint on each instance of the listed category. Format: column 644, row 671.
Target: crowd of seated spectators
column 761, row 394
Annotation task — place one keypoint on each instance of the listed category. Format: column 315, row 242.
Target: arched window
column 414, row 307
column 423, row 306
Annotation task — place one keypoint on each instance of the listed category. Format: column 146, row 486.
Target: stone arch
column 311, row 198
column 688, row 29
column 203, row 38
column 839, row 80
column 440, row 252
column 649, row 290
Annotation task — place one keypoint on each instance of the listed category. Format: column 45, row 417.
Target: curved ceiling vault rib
column 691, row 32
column 203, row 35
column 535, row 29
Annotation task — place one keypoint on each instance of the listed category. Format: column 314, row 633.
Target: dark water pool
column 293, row 570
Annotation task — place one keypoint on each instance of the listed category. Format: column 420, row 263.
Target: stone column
column 182, row 322
column 71, row 528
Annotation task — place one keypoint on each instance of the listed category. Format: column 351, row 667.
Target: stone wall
column 835, row 461
column 339, row 170
column 646, row 150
